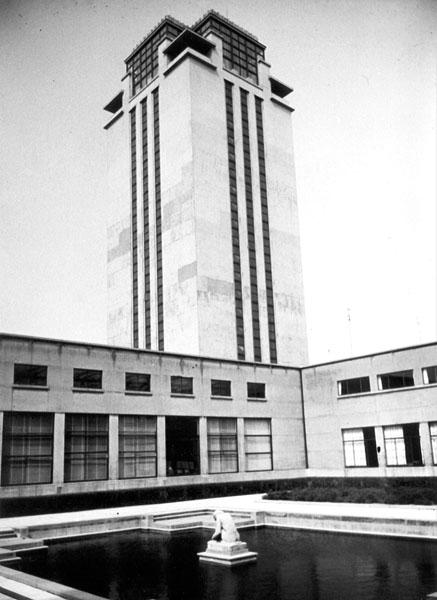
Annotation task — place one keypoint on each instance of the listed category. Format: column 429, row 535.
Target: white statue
column 225, row 548
column 225, row 530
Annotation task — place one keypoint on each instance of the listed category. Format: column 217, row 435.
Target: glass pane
column 257, row 426
column 258, row 443
column 30, row 375
column 353, row 434
column 360, row 454
column 349, row 454
column 139, row 382
column 27, row 448
column 87, row 378
column 258, row 462
column 394, row 431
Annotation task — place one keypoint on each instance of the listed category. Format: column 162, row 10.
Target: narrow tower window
column 239, row 323
column 250, row 228
column 134, row 226
column 146, row 226
column 266, row 231
column 158, row 220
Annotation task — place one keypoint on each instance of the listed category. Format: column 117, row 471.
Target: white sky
column 364, row 75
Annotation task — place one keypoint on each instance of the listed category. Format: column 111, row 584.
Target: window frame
column 407, row 446
column 366, row 449
column 96, row 388
column 136, row 454
column 218, row 383
column 246, row 453
column 257, row 395
column 433, row 441
column 222, row 438
column 26, row 436
column 137, row 390
column 181, row 379
column 86, row 433
column 341, row 382
column 403, row 373
column 28, row 383
column 425, row 375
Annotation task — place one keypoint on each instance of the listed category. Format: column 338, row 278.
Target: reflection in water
column 292, row 565
column 382, row 580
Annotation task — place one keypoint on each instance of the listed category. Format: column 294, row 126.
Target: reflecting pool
column 292, row 565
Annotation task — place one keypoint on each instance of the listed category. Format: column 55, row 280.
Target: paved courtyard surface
column 251, row 503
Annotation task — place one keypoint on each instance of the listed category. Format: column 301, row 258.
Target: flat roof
column 242, row 363
column 349, row 358
column 30, row 338
column 229, row 23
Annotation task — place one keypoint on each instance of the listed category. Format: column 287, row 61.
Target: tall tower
column 204, row 252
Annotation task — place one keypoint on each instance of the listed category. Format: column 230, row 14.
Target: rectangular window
column 87, row 378
column 433, row 434
column 256, row 390
column 86, row 447
column 30, row 375
column 137, row 446
column 27, row 453
column 220, row 387
column 402, row 445
column 358, row 385
column 429, row 375
column 181, row 385
column 258, row 444
column 222, row 446
column 400, row 379
column 360, row 447
column 137, row 382
column 143, row 65
column 239, row 49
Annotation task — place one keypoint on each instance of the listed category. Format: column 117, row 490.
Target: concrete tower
column 204, row 253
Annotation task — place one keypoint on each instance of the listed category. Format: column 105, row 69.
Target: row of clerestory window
column 92, row 379
column 386, row 381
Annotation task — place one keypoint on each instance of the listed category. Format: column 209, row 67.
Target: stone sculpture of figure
column 225, row 530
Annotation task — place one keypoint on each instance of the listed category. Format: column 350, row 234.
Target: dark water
column 292, row 565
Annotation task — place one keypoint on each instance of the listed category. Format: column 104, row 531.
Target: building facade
column 83, row 418
column 204, row 252
column 373, row 415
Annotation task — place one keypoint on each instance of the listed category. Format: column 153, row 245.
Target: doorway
column 182, row 446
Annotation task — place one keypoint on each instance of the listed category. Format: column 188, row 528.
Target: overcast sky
column 364, row 75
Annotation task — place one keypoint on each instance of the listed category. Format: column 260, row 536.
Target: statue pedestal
column 227, row 553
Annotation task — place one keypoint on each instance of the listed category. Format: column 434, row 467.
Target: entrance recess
column 182, row 445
